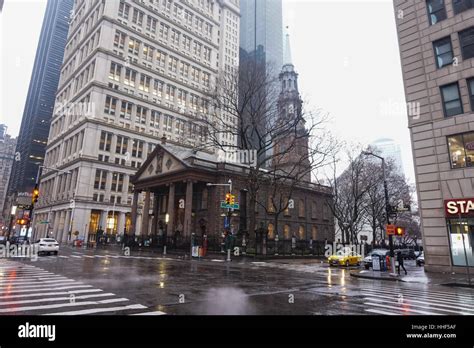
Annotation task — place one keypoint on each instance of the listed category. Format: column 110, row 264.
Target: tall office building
column 33, row 137
column 261, row 30
column 133, row 72
column 7, row 156
column 389, row 149
column 436, row 39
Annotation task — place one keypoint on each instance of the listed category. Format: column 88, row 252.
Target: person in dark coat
column 400, row 262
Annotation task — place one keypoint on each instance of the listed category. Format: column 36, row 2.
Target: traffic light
column 232, row 199
column 22, row 221
column 400, row 231
column 228, row 198
column 34, row 199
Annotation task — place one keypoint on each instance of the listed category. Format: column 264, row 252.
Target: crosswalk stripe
column 464, row 296
column 63, row 282
column 32, row 282
column 151, row 313
column 52, row 299
column 415, row 303
column 28, row 276
column 400, row 309
column 89, row 256
column 63, row 257
column 76, row 256
column 100, row 310
column 424, row 294
column 424, row 297
column 50, row 293
column 60, row 305
column 47, row 288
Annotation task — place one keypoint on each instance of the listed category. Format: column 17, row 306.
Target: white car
column 47, row 246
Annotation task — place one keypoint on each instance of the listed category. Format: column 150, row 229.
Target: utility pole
column 387, row 205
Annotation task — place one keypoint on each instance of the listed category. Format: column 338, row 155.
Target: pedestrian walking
column 400, row 262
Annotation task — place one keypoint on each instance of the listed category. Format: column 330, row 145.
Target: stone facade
column 429, row 124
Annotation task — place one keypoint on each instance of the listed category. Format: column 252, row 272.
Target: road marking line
column 427, row 294
column 33, row 282
column 77, row 257
column 52, row 299
column 51, row 293
column 49, row 289
column 89, row 257
column 59, row 305
column 400, row 309
column 100, row 310
column 436, row 302
column 63, row 282
column 465, row 296
column 410, row 302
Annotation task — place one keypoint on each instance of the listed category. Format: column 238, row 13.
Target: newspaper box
column 195, row 251
column 375, row 263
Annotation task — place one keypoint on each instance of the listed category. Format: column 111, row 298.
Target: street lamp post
column 387, row 204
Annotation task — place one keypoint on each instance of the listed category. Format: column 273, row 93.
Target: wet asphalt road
column 106, row 282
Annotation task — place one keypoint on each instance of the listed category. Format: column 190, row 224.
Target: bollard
column 228, row 255
column 244, row 246
column 276, row 245
column 164, row 250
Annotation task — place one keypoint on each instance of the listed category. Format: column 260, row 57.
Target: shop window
column 461, row 150
column 461, row 241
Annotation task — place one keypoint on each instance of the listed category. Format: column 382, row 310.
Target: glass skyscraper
column 261, row 29
column 33, row 137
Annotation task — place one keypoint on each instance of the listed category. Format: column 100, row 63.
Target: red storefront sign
column 456, row 207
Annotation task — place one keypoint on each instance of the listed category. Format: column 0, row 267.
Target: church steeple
column 287, row 55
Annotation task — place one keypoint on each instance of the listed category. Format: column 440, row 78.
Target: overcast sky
column 346, row 54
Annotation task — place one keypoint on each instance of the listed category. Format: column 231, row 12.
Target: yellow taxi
column 350, row 259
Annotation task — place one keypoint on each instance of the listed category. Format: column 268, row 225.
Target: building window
column 117, row 182
column 271, row 231
column 470, row 85
column 466, row 38
column 105, row 141
column 155, row 119
column 141, row 115
column 115, row 71
column 462, row 5
column 119, row 40
column 461, row 241
column 436, row 11
column 314, row 210
column 122, row 145
column 452, row 103
column 137, row 17
column 124, row 10
column 161, row 58
column 301, row 233
column 151, row 24
column 100, row 179
column 158, row 88
column 148, row 53
column 134, row 46
column 168, row 123
column 461, row 150
column 144, row 83
column 126, row 110
column 110, row 105
column 137, row 148
column 443, row 52
column 314, row 233
column 301, row 212
column 130, row 77
column 286, row 232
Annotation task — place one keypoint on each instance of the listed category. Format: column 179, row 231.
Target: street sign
column 390, row 229
column 224, row 205
column 44, row 222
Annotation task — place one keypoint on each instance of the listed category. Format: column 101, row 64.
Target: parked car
column 47, row 246
column 420, row 260
column 347, row 260
column 381, row 253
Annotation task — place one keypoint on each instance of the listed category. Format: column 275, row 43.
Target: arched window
column 271, row 231
column 286, row 232
column 301, row 208
column 314, row 233
column 301, row 232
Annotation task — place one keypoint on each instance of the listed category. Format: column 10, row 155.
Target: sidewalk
column 415, row 275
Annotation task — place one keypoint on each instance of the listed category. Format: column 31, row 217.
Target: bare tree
column 247, row 117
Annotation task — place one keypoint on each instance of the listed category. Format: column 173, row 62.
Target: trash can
column 376, row 263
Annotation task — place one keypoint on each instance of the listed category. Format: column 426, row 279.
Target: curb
column 458, row 285
column 356, row 275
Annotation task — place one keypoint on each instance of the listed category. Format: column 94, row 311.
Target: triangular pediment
column 159, row 162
